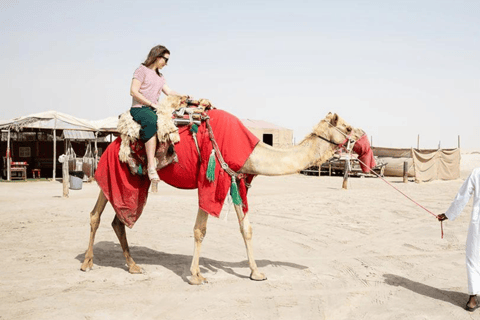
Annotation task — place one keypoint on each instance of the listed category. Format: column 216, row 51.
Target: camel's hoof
column 257, row 276
column 86, row 265
column 197, row 280
column 135, row 269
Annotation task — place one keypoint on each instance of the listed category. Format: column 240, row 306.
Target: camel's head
column 335, row 130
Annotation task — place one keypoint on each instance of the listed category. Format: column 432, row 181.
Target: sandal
column 153, row 175
column 471, row 309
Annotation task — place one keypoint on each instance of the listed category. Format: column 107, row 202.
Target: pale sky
column 396, row 69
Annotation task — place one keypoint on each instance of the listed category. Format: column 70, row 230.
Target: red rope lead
column 436, row 216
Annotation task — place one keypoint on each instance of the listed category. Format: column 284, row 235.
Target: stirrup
column 153, row 175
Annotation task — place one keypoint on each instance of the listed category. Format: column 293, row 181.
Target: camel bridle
column 350, row 143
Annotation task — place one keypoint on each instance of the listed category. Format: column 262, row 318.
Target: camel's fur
column 264, row 160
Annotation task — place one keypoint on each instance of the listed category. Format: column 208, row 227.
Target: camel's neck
column 266, row 160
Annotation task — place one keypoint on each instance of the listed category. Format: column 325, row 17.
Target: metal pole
column 94, row 168
column 458, row 141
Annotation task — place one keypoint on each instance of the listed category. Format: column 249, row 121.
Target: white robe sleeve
column 463, row 195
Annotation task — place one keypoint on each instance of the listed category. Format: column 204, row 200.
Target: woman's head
column 158, row 58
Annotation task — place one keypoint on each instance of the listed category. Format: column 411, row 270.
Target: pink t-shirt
column 151, row 86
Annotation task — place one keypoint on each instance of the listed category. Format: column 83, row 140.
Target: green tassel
column 194, row 128
column 140, row 170
column 211, row 167
column 236, row 199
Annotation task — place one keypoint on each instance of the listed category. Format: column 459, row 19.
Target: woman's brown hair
column 156, row 52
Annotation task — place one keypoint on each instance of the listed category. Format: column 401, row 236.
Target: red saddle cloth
column 365, row 154
column 125, row 191
column 128, row 192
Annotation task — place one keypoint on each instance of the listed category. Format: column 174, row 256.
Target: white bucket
column 76, row 183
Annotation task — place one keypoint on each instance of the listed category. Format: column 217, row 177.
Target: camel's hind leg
column 94, row 223
column 119, row 228
column 246, row 230
column 199, row 232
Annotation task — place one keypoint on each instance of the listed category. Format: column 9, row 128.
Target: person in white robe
column 470, row 187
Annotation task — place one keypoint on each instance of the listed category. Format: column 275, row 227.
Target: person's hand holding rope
column 442, row 217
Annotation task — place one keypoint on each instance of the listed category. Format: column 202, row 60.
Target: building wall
column 281, row 138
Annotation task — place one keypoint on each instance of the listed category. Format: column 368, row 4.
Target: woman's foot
column 153, row 175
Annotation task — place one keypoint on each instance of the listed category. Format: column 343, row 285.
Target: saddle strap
column 223, row 164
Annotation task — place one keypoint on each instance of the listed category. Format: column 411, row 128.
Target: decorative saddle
column 174, row 112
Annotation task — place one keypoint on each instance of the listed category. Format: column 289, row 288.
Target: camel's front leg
column 246, row 230
column 94, row 223
column 119, row 228
column 199, row 232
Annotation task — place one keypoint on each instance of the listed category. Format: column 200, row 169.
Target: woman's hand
column 442, row 217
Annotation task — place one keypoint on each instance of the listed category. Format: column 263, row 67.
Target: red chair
column 36, row 172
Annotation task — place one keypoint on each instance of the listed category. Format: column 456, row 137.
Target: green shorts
column 147, row 118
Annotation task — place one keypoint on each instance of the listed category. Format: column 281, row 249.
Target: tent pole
column 55, row 148
column 8, row 156
column 96, row 153
column 458, row 141
column 418, row 142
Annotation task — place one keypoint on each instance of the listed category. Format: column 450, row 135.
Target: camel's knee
column 199, row 234
column 116, row 223
column 94, row 219
column 247, row 232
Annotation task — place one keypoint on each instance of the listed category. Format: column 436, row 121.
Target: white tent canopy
column 53, row 120
column 108, row 124
column 49, row 120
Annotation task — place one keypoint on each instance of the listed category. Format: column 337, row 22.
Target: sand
column 362, row 253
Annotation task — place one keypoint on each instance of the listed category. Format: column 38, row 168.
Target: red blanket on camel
column 365, row 154
column 128, row 192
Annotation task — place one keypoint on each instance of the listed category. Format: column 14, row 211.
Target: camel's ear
column 334, row 120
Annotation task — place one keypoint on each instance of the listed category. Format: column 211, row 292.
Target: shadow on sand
column 458, row 299
column 105, row 255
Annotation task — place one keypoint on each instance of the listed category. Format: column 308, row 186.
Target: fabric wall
column 394, row 159
column 425, row 165
column 442, row 164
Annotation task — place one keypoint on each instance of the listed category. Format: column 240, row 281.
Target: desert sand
column 362, row 253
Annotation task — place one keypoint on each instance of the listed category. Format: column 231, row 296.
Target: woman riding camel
column 147, row 85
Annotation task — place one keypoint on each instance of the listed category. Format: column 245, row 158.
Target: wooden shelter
column 36, row 141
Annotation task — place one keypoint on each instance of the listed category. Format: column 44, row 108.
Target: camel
column 317, row 147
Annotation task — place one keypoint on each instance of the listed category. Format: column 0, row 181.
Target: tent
column 46, row 122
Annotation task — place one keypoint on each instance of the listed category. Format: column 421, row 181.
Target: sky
column 403, row 71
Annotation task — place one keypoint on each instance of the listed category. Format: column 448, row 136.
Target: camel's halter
column 348, row 141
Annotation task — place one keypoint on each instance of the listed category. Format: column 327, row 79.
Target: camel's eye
column 349, row 129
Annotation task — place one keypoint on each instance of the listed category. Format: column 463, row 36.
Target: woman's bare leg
column 151, row 148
